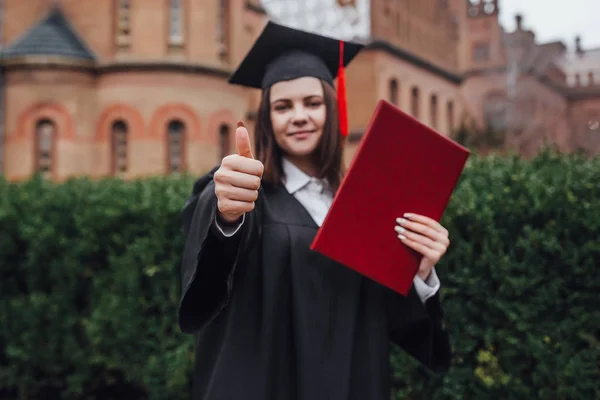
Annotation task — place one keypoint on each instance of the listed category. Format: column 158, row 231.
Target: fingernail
column 400, row 229
column 408, row 215
column 240, row 124
column 402, row 237
column 401, row 221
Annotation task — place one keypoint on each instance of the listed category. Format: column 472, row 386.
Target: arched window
column 589, row 134
column 450, row 116
column 433, row 111
column 176, row 23
column 489, row 6
column 119, row 147
column 45, row 136
column 414, row 106
column 224, row 140
column 394, row 92
column 175, row 146
column 594, row 121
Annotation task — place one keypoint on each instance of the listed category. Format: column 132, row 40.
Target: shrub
column 90, row 285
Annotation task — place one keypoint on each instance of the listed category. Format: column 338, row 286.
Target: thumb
column 242, row 141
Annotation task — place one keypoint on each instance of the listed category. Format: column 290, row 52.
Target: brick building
column 135, row 88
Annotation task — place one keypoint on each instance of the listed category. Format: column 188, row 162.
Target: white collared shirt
column 316, row 196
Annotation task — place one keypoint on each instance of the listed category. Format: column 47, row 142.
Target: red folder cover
column 400, row 166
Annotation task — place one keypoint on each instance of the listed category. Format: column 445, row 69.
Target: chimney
column 519, row 19
column 578, row 48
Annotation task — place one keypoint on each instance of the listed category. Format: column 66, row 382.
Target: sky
column 550, row 19
column 556, row 20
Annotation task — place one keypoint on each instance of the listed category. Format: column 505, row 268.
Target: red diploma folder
column 400, row 166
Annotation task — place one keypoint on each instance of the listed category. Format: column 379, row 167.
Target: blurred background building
column 139, row 87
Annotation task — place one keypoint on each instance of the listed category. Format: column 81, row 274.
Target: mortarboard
column 283, row 53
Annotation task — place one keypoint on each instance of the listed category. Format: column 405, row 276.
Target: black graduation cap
column 283, row 53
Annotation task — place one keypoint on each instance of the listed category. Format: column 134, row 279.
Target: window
column 414, row 105
column 489, row 6
column 481, row 52
column 45, row 134
column 473, row 9
column 482, row 7
column 495, row 109
column 394, row 92
column 175, row 146
column 224, row 140
column 450, row 116
column 119, row 147
column 433, row 110
column 594, row 121
column 386, row 10
column 223, row 29
column 176, row 23
column 589, row 138
column 123, row 22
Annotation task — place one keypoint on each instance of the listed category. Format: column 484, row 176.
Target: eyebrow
column 310, row 96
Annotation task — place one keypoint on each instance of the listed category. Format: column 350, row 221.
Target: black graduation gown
column 275, row 320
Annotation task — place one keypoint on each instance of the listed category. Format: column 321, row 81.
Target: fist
column 238, row 179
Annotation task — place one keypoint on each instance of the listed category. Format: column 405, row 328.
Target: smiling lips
column 301, row 134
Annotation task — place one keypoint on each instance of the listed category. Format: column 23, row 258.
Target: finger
column 237, row 179
column 424, row 240
column 230, row 192
column 242, row 141
column 420, row 248
column 235, row 207
column 423, row 229
column 243, row 164
column 427, row 221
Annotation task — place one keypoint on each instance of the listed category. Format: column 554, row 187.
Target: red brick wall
column 83, row 106
column 85, row 109
column 585, row 125
column 421, row 27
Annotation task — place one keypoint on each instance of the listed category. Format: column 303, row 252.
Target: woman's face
column 298, row 114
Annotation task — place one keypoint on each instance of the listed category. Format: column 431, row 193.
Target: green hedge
column 89, row 287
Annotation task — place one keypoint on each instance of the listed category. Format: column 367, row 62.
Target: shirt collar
column 294, row 179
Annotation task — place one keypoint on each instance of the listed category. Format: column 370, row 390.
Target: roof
column 583, row 64
column 52, row 36
column 414, row 59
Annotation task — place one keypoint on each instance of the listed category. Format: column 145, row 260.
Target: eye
column 315, row 103
column 281, row 107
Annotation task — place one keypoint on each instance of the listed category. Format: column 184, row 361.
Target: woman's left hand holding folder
column 426, row 236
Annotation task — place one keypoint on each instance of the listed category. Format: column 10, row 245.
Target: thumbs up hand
column 238, row 179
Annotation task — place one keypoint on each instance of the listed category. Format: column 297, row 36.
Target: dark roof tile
column 52, row 36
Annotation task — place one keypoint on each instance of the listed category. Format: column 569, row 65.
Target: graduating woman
column 275, row 320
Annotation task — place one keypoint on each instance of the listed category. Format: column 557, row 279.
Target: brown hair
column 327, row 156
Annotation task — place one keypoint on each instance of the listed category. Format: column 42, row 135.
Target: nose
column 299, row 116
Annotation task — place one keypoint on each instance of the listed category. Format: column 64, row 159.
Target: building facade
column 123, row 87
column 136, row 88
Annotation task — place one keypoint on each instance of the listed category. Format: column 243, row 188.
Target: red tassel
column 341, row 94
